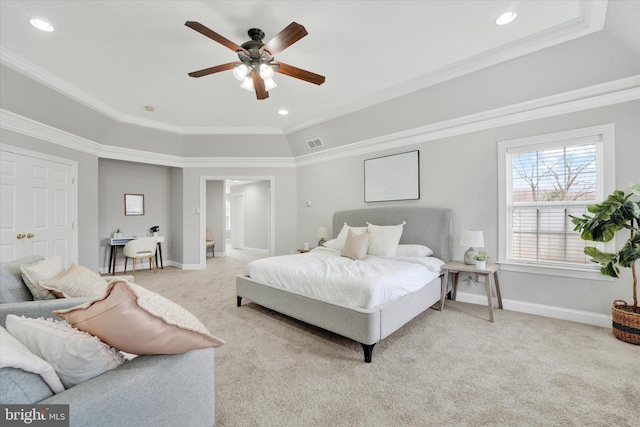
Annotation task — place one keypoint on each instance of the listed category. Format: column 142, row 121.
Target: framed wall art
column 134, row 204
column 394, row 177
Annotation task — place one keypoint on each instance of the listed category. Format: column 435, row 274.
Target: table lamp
column 322, row 233
column 471, row 239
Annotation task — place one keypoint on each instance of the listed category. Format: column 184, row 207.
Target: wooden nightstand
column 455, row 267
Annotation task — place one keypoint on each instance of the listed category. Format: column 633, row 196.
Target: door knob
column 30, row 235
column 20, row 236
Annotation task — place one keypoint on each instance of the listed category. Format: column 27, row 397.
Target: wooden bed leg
column 368, row 351
column 238, row 301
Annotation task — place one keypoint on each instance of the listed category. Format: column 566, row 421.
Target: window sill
column 553, row 270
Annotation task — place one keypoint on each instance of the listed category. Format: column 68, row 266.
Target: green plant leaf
column 598, row 256
column 635, row 188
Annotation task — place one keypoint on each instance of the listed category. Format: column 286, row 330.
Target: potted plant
column 617, row 213
column 117, row 233
column 154, row 230
column 481, row 258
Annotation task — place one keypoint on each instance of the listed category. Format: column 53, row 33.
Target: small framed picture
column 134, row 204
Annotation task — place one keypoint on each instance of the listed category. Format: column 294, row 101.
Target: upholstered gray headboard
column 427, row 226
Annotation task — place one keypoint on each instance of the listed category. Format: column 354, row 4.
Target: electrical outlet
column 308, row 203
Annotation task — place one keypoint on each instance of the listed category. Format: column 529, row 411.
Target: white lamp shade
column 322, row 232
column 266, row 72
column 240, row 72
column 472, row 239
column 247, row 84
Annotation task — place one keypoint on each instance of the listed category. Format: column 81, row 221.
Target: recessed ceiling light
column 149, row 108
column 506, row 18
column 283, row 112
column 41, row 25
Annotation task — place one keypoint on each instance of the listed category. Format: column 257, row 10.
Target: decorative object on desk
column 153, row 230
column 615, row 214
column 117, row 233
column 134, row 204
column 322, row 233
column 481, row 258
column 471, row 239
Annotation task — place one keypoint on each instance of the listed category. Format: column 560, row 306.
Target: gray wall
column 117, row 178
column 215, row 214
column 255, row 213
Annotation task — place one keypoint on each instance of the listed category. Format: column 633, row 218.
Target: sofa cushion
column 76, row 356
column 14, row 354
column 22, row 387
column 12, row 287
column 42, row 270
column 76, row 282
column 136, row 320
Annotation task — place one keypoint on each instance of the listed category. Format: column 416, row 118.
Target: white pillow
column 384, row 239
column 342, row 236
column 45, row 269
column 13, row 354
column 76, row 356
column 413, row 251
column 76, row 282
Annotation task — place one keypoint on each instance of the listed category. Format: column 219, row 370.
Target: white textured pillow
column 342, row 236
column 356, row 245
column 13, row 354
column 384, row 239
column 413, row 251
column 76, row 282
column 76, row 356
column 138, row 321
column 46, row 269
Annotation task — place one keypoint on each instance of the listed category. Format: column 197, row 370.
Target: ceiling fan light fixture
column 247, row 84
column 269, row 84
column 240, row 72
column 266, row 72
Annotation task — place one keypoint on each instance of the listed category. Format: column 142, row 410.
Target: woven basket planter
column 626, row 323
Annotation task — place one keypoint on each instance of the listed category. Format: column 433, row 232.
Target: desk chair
column 144, row 247
column 210, row 243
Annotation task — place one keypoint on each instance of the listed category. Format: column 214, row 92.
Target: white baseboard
column 589, row 318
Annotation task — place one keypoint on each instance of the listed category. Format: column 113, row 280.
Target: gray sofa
column 159, row 390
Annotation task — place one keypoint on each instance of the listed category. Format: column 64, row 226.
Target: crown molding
column 600, row 95
column 591, row 19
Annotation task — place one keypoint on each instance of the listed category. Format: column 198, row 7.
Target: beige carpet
column 450, row 368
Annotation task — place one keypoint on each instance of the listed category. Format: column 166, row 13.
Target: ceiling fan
column 257, row 64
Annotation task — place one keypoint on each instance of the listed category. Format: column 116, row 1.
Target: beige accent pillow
column 76, row 356
column 14, row 354
column 138, row 321
column 76, row 282
column 384, row 239
column 356, row 245
column 46, row 269
column 340, row 240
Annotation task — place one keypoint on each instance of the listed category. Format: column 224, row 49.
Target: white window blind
column 545, row 180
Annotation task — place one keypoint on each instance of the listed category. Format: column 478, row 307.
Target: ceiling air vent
column 315, row 143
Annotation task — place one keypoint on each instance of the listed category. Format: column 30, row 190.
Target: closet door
column 37, row 206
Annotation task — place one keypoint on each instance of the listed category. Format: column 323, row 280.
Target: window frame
column 605, row 185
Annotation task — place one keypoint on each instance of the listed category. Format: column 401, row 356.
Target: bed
column 366, row 325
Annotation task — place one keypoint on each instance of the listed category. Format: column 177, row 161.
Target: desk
column 118, row 242
column 455, row 267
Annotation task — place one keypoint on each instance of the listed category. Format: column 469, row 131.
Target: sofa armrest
column 39, row 308
column 176, row 389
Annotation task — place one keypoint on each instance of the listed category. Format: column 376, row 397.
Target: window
column 544, row 180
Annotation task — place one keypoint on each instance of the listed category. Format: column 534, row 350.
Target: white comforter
column 324, row 274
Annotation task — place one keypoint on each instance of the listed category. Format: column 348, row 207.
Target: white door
column 237, row 221
column 37, row 199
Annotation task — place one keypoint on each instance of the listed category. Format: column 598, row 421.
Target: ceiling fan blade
column 215, row 36
column 258, row 85
column 216, row 69
column 298, row 73
column 285, row 38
